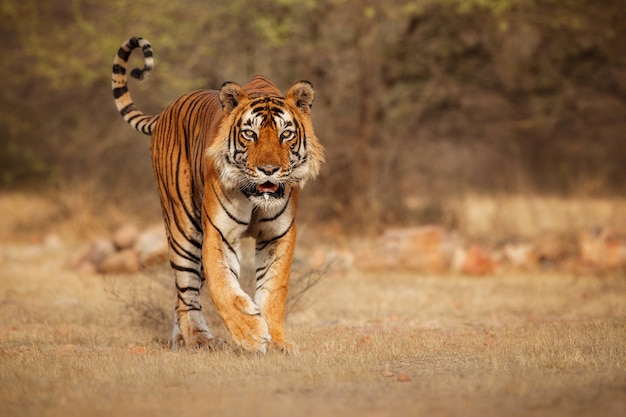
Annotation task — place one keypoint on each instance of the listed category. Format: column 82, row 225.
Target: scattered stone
column 602, row 248
column 123, row 262
column 84, row 268
column 403, row 377
column 151, row 246
column 520, row 255
column 474, row 260
column 550, row 250
column 127, row 252
column 139, row 350
column 99, row 250
column 424, row 248
column 125, row 236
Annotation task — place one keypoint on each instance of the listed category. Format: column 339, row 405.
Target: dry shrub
column 147, row 299
column 300, row 285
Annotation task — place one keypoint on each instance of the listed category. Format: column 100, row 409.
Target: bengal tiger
column 228, row 164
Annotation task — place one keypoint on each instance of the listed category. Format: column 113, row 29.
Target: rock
column 151, row 246
column 139, row 350
column 85, row 268
column 125, row 236
column 474, row 260
column 602, row 248
column 550, row 250
column 99, row 249
column 403, row 377
column 122, row 262
column 520, row 255
column 425, row 248
column 421, row 248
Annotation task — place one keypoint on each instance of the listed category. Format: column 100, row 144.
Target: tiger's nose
column 268, row 169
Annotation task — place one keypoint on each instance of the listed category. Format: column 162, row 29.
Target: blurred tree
column 415, row 98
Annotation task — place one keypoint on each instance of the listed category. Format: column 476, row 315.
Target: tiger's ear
column 231, row 95
column 302, row 94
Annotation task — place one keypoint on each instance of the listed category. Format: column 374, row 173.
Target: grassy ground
column 369, row 345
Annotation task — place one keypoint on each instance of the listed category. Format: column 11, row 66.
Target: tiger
column 229, row 164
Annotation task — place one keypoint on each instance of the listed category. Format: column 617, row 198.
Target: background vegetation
column 416, row 100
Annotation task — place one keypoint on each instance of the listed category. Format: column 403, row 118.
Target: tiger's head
column 266, row 143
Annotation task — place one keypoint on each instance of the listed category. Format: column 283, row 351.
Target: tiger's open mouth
column 266, row 189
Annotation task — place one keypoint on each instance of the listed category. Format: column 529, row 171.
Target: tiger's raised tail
column 137, row 119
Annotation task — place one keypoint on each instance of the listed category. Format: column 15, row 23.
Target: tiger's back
column 228, row 164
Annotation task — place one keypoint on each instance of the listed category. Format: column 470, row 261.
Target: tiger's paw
column 191, row 332
column 210, row 343
column 245, row 324
column 201, row 342
column 284, row 347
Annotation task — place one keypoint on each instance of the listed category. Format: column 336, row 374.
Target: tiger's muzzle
column 265, row 189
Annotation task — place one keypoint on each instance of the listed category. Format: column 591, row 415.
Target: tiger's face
column 266, row 144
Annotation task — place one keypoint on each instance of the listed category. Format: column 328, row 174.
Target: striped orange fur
column 229, row 164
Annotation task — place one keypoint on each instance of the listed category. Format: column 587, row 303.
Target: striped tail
column 136, row 118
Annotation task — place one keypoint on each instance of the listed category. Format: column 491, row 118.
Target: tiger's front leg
column 221, row 261
column 274, row 256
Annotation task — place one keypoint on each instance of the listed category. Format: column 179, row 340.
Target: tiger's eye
column 248, row 134
column 287, row 135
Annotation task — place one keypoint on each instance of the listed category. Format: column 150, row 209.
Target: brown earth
column 370, row 344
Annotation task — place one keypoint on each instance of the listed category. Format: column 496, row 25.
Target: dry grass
column 535, row 215
column 514, row 345
column 75, row 214
column 519, row 344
